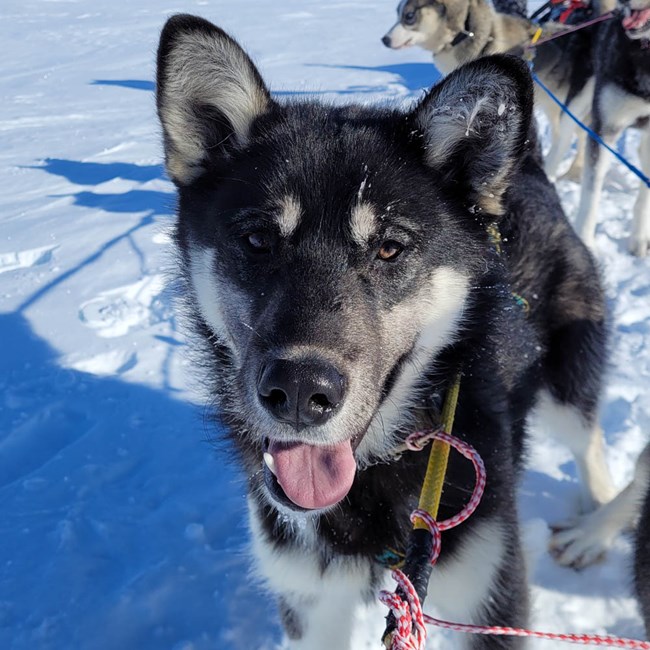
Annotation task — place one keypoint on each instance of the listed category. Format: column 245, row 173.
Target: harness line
column 422, row 547
column 434, row 479
column 405, row 604
column 535, row 42
column 569, row 30
column 635, row 170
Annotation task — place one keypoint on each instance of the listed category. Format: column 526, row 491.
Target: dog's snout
column 301, row 392
column 386, row 40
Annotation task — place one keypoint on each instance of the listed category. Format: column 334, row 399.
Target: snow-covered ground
column 119, row 526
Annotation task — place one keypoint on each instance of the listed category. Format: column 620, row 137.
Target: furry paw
column 581, row 542
column 574, row 173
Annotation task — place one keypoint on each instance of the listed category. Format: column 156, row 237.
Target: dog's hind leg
column 585, row 540
column 573, row 367
column 582, row 434
column 640, row 239
column 483, row 583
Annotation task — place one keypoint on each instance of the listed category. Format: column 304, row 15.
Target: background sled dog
column 611, row 59
column 338, row 273
column 621, row 99
column 462, row 30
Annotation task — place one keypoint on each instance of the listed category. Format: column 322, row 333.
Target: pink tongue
column 636, row 19
column 314, row 477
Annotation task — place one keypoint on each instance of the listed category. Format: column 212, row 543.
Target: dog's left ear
column 475, row 125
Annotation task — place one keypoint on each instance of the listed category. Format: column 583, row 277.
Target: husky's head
column 329, row 253
column 431, row 24
column 636, row 21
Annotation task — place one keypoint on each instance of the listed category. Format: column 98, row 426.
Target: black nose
column 386, row 41
column 301, row 392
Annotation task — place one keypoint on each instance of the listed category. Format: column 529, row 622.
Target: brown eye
column 389, row 250
column 259, row 241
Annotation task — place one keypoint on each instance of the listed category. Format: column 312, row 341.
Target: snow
column 121, row 528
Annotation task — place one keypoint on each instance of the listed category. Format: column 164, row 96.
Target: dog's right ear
column 208, row 93
column 474, row 127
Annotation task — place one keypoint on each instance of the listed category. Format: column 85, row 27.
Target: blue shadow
column 152, row 202
column 91, row 173
column 161, row 203
column 112, row 501
column 134, row 84
column 413, row 76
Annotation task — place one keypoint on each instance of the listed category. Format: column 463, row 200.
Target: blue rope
column 635, row 170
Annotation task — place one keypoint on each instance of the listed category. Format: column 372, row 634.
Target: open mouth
column 637, row 22
column 406, row 43
column 309, row 477
column 306, row 477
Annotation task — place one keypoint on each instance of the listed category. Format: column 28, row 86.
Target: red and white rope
column 410, row 632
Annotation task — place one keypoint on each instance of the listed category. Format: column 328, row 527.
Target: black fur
column 642, row 563
column 318, row 289
column 622, row 60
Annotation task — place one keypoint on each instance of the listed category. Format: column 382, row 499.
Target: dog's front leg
column 319, row 602
column 640, row 239
column 597, row 164
column 484, row 583
column 610, row 117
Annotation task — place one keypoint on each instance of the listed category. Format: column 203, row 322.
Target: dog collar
column 461, row 36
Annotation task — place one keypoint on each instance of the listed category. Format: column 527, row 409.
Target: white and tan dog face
column 431, row 24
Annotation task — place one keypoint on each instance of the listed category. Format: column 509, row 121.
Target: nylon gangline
column 592, row 134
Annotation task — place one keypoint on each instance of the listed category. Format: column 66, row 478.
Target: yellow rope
column 536, row 36
column 434, row 479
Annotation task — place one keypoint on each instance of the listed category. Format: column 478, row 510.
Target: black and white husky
column 621, row 99
column 338, row 273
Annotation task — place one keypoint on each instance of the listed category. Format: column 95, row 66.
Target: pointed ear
column 475, row 126
column 208, row 94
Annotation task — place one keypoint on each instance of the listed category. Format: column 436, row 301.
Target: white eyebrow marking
column 362, row 223
column 289, row 216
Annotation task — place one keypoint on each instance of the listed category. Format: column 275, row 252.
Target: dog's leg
column 610, row 117
column 580, row 106
column 323, row 615
column 585, row 540
column 559, row 147
column 318, row 604
column 640, row 239
column 574, row 173
column 484, row 583
column 584, row 437
column 597, row 164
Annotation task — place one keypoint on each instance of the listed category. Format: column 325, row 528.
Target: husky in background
column 621, row 99
column 602, row 73
column 458, row 31
column 338, row 273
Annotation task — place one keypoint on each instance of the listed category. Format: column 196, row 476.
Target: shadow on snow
column 119, row 528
